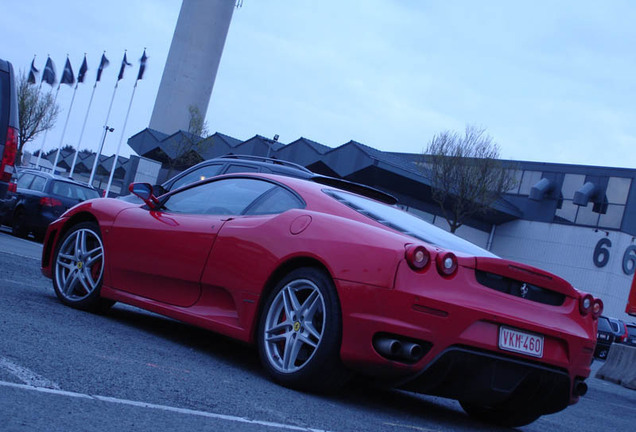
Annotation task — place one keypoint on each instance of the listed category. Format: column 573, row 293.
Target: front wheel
column 300, row 332
column 79, row 268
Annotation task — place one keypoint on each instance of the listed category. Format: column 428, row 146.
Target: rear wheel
column 503, row 415
column 78, row 268
column 19, row 228
column 300, row 332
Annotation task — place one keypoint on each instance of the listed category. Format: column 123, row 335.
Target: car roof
column 277, row 164
column 56, row 177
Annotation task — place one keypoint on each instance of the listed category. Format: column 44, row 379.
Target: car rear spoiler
column 357, row 188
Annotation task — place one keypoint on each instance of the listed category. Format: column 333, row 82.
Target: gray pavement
column 65, row 370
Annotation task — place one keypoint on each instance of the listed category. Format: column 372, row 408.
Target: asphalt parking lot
column 61, row 370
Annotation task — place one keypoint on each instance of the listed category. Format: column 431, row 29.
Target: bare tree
column 37, row 109
column 191, row 143
column 466, row 174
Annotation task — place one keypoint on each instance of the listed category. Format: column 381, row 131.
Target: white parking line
column 26, row 376
column 159, row 407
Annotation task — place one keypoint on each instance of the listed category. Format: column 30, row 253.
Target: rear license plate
column 520, row 342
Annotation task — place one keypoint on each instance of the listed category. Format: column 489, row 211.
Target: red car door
column 160, row 255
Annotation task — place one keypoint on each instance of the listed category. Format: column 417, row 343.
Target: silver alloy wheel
column 294, row 325
column 79, row 264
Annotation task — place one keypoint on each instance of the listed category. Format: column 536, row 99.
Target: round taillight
column 418, row 257
column 585, row 304
column 446, row 263
column 597, row 307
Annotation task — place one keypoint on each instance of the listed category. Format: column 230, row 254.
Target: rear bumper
column 453, row 318
column 486, row 378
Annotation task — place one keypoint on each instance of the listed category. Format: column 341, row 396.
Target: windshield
column 407, row 223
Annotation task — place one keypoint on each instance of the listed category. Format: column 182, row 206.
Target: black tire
column 299, row 345
column 504, row 415
column 78, row 268
column 18, row 225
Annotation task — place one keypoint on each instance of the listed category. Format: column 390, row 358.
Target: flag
column 33, row 73
column 142, row 65
column 68, row 77
column 48, row 76
column 102, row 64
column 82, row 71
column 124, row 63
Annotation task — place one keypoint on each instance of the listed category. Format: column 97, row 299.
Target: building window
column 529, row 179
column 587, row 216
column 618, row 190
column 572, row 183
column 613, row 217
column 517, row 175
column 567, row 210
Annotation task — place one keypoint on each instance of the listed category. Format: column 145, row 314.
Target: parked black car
column 230, row 164
column 227, row 164
column 41, row 198
column 8, row 126
column 604, row 338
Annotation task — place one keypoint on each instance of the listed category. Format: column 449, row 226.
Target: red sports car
column 329, row 282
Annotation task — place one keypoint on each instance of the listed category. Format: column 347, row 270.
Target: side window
column 275, row 201
column 221, row 197
column 196, row 175
column 25, row 181
column 38, row 184
column 62, row 189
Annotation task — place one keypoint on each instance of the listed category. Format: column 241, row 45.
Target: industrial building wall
column 570, row 252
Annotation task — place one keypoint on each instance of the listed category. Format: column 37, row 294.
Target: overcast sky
column 550, row 81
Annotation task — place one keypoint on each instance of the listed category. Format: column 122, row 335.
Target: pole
column 46, row 132
column 68, row 116
column 121, row 139
column 97, row 155
column 106, row 130
column 79, row 142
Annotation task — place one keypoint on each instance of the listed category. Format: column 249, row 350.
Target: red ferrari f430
column 330, row 280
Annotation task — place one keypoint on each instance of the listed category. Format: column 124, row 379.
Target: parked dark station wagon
column 41, row 198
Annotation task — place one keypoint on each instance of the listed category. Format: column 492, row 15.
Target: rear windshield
column 73, row 191
column 631, row 330
column 604, row 325
column 407, row 223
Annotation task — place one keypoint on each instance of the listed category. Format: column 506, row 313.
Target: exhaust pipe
column 388, row 347
column 396, row 349
column 580, row 388
column 411, row 352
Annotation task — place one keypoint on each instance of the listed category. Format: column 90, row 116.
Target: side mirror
column 144, row 191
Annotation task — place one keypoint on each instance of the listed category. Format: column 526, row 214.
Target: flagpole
column 68, row 116
column 46, row 132
column 106, row 129
column 79, row 142
column 121, row 139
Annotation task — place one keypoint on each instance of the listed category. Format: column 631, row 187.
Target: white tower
column 193, row 60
